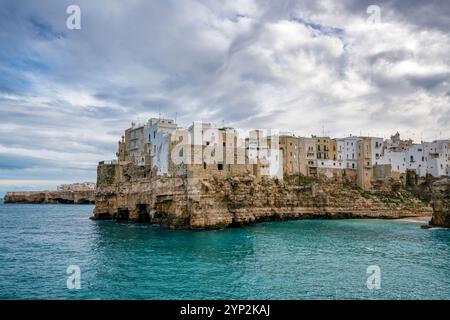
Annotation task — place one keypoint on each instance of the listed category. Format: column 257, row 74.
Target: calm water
column 279, row 260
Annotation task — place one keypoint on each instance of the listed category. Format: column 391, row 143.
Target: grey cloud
column 391, row 56
column 10, row 162
column 210, row 60
column 429, row 81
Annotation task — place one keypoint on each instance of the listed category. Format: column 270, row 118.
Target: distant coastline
column 51, row 197
column 75, row 193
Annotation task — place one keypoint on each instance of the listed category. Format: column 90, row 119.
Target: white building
column 157, row 138
column 425, row 158
column 437, row 157
column 377, row 149
column 347, row 152
column 330, row 164
column 397, row 160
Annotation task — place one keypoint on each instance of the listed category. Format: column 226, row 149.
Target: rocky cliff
column 436, row 191
column 219, row 202
column 69, row 197
column 440, row 200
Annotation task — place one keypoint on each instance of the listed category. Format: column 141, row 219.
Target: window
column 220, row 166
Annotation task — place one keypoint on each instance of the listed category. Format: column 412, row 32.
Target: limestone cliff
column 441, row 203
column 67, row 197
column 214, row 201
column 436, row 191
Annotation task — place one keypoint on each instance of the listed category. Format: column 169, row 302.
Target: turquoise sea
column 274, row 260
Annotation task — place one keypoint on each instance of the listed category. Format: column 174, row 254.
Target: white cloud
column 269, row 64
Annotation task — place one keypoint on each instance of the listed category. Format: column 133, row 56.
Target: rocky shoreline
column 51, row 197
column 214, row 202
column 437, row 192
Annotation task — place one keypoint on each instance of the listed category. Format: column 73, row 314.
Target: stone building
column 299, row 155
column 135, row 147
column 309, row 147
column 365, row 164
column 396, row 144
column 290, row 146
column 78, row 186
column 325, row 148
column 203, row 149
column 157, row 139
column 122, row 150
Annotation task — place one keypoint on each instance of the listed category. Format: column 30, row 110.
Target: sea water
column 309, row 259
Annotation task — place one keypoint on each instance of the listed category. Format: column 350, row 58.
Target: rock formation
column 436, row 191
column 440, row 201
column 217, row 201
column 66, row 197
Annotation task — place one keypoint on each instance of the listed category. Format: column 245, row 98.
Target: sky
column 308, row 67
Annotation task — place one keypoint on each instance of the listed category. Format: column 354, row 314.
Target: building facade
column 165, row 147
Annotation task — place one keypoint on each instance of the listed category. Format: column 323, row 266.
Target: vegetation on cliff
column 216, row 201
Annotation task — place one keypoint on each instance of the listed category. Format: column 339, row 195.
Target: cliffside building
column 204, row 149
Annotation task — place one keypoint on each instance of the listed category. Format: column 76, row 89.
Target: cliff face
column 437, row 192
column 54, row 197
column 219, row 202
column 441, row 203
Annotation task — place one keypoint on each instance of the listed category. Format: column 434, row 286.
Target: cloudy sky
column 303, row 66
